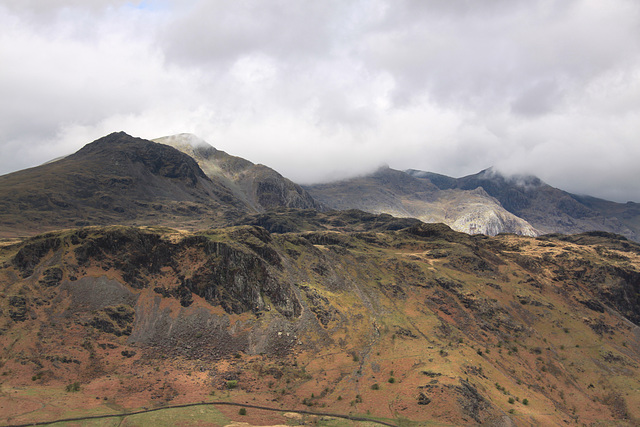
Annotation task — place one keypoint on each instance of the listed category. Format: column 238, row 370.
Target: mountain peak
column 189, row 139
column 107, row 142
column 524, row 181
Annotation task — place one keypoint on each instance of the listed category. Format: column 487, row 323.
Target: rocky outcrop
column 234, row 276
column 18, row 308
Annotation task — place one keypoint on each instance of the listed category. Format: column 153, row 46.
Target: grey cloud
column 481, row 59
column 323, row 90
column 215, row 31
column 541, row 98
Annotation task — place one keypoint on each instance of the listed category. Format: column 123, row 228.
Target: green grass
column 194, row 416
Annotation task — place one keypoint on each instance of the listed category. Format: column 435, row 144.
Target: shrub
column 525, row 401
column 73, row 387
column 511, row 400
column 231, row 384
column 242, row 411
column 375, row 387
column 392, row 380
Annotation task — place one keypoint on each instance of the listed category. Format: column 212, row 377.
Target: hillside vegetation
column 342, row 311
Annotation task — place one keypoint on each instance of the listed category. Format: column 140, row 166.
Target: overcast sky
column 321, row 90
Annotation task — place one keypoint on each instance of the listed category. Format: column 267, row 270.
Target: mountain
column 259, row 186
column 119, row 179
column 626, row 213
column 405, row 195
column 546, row 208
column 361, row 315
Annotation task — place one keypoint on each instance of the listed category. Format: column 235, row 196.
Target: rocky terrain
column 360, row 314
column 548, row 209
column 260, row 186
column 401, row 194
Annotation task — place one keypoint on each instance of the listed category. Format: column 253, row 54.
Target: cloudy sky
column 321, row 90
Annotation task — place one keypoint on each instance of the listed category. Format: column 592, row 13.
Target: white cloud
column 321, row 90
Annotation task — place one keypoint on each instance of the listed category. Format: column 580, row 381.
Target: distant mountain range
column 548, row 209
column 487, row 202
column 182, row 181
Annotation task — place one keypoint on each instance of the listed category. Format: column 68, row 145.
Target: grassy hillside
column 417, row 325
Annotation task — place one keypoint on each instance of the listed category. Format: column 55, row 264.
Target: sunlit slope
column 421, row 323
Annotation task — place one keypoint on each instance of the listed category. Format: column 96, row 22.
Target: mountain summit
column 259, row 186
column 116, row 179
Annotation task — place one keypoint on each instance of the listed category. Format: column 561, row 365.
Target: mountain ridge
column 262, row 187
column 119, row 179
column 546, row 208
column 401, row 194
column 226, row 187
column 115, row 179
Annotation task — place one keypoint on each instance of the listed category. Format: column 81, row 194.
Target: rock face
column 260, row 186
column 403, row 195
column 236, row 277
column 479, row 217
